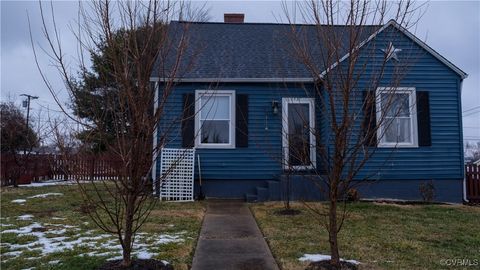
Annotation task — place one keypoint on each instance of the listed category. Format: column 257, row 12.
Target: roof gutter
column 235, row 80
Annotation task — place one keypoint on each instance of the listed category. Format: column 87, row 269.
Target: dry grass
column 182, row 219
column 380, row 236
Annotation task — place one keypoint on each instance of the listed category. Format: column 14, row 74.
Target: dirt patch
column 137, row 265
column 44, row 213
column 325, row 265
column 288, row 212
column 40, row 229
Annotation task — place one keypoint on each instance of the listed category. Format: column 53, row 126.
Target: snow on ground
column 24, row 217
column 46, row 195
column 20, row 201
column 51, row 238
column 24, row 230
column 54, row 183
column 321, row 257
column 50, row 183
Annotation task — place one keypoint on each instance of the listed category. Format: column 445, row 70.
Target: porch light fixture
column 275, row 107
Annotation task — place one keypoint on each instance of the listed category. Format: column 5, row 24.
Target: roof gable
column 412, row 37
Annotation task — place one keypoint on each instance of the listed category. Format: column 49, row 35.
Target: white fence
column 177, row 172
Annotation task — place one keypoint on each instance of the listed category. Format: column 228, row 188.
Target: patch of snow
column 25, row 217
column 6, row 225
column 144, row 254
column 19, row 201
column 165, row 262
column 55, row 183
column 115, row 258
column 104, row 245
column 46, row 195
column 13, row 253
column 321, row 257
column 54, row 262
column 24, row 230
column 58, row 218
column 48, row 183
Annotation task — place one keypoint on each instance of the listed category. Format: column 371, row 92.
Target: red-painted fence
column 472, row 175
column 38, row 167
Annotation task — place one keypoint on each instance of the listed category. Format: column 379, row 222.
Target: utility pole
column 29, row 97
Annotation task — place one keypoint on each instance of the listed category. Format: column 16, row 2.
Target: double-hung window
column 396, row 117
column 215, row 119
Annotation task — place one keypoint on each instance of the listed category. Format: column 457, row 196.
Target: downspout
column 461, row 145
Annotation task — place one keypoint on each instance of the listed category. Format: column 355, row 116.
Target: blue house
column 232, row 105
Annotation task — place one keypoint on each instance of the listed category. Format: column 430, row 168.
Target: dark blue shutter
column 369, row 119
column 188, row 121
column 423, row 119
column 241, row 121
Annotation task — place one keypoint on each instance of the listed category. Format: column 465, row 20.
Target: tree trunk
column 127, row 239
column 332, row 230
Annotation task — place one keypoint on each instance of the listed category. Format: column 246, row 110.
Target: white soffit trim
column 422, row 44
column 253, row 80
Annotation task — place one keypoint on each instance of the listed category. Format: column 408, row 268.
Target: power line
column 471, row 109
column 471, row 113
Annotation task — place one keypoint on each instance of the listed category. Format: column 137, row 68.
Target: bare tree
column 134, row 37
column 355, row 90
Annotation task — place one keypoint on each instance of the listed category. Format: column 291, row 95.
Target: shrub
column 353, row 195
column 427, row 191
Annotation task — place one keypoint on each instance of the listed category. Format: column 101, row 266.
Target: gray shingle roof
column 246, row 50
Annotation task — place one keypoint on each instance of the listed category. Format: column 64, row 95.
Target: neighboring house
column 246, row 72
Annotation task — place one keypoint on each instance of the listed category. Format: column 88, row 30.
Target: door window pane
column 298, row 135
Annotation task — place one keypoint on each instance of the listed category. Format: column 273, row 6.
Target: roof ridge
column 272, row 23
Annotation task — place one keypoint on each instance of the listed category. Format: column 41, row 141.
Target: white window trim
column 313, row 156
column 198, row 140
column 411, row 91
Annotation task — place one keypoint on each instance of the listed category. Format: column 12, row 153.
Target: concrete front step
column 262, row 194
column 275, row 191
column 270, row 192
column 251, row 198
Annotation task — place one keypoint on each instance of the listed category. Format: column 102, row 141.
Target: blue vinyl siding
column 262, row 159
column 444, row 158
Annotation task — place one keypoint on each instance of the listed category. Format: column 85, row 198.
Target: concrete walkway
column 231, row 239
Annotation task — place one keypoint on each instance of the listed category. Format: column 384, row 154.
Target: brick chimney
column 233, row 17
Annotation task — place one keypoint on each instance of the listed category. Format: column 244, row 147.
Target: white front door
column 298, row 133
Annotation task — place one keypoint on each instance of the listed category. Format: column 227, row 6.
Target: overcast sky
column 452, row 28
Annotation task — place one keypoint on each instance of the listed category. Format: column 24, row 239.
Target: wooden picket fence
column 472, row 176
column 43, row 167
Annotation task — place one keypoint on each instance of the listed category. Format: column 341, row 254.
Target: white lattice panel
column 177, row 169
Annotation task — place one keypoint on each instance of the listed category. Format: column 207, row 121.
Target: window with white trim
column 396, row 117
column 215, row 119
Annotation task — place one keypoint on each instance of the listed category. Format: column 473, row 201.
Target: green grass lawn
column 53, row 231
column 380, row 236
